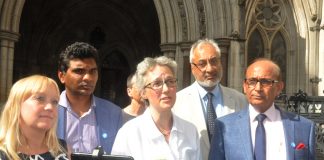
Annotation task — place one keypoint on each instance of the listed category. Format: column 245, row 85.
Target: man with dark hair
column 85, row 121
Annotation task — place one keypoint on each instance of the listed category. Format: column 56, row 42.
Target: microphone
column 98, row 152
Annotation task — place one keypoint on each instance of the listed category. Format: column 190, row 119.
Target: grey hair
column 201, row 42
column 147, row 64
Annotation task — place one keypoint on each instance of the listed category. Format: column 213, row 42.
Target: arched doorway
column 132, row 25
column 114, row 73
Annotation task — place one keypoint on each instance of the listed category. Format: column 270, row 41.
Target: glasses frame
column 164, row 81
column 210, row 61
column 263, row 82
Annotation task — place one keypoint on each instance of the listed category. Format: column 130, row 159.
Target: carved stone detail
column 269, row 13
column 202, row 17
column 9, row 35
column 183, row 17
column 168, row 47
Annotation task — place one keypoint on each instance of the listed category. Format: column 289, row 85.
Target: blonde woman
column 29, row 120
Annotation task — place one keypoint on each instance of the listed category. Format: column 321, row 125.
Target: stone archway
column 10, row 12
column 179, row 24
column 60, row 23
column 183, row 22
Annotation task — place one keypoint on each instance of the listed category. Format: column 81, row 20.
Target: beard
column 210, row 83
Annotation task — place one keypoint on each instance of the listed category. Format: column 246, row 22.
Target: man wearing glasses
column 206, row 99
column 262, row 130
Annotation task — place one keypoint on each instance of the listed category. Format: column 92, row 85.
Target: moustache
column 85, row 84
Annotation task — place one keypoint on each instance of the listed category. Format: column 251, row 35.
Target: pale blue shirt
column 81, row 132
column 217, row 99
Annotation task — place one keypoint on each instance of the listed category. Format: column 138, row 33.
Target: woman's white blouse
column 141, row 139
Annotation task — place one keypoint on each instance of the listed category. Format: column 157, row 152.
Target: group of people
column 203, row 121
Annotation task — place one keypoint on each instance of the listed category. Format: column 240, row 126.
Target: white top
column 275, row 136
column 141, row 139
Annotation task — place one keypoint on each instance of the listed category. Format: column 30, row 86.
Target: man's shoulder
column 231, row 90
column 295, row 117
column 186, row 90
column 105, row 104
column 235, row 115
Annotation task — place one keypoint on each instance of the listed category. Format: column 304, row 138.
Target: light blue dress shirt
column 217, row 100
column 81, row 130
column 98, row 126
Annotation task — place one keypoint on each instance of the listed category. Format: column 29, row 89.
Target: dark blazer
column 232, row 140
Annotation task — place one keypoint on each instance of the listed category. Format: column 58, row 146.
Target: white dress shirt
column 141, row 139
column 275, row 136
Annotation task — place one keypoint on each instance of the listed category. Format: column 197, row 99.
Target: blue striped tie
column 260, row 139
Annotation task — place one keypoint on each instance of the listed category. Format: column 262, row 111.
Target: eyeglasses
column 202, row 64
column 265, row 83
column 158, row 84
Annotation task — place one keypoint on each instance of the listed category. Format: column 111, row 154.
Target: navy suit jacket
column 232, row 139
column 108, row 118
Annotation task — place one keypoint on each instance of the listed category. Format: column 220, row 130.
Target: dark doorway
column 47, row 27
column 114, row 70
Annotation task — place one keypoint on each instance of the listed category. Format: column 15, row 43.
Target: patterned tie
column 211, row 116
column 260, row 139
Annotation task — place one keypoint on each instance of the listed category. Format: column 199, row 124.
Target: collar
column 66, row 104
column 151, row 128
column 271, row 113
column 203, row 93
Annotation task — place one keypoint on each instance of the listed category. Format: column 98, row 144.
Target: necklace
column 165, row 133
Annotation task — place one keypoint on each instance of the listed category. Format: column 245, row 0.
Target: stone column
column 169, row 49
column 7, row 42
column 224, row 44
column 184, row 67
column 172, row 50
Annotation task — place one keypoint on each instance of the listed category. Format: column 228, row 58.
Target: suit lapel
column 61, row 124
column 289, row 130
column 243, row 122
column 198, row 112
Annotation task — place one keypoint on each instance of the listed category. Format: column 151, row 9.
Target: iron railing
column 311, row 107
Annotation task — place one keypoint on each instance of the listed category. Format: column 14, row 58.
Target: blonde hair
column 10, row 133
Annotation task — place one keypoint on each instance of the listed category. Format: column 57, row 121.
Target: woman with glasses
column 158, row 133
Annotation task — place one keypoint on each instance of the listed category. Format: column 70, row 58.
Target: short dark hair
column 77, row 50
column 131, row 80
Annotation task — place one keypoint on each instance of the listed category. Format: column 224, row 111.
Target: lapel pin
column 300, row 146
column 104, row 135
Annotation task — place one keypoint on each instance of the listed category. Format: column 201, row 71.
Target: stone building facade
column 32, row 33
